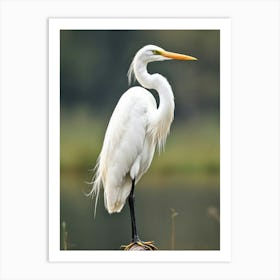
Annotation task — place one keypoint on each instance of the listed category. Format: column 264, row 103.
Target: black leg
column 131, row 199
column 136, row 242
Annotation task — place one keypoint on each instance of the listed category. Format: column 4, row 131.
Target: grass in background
column 191, row 152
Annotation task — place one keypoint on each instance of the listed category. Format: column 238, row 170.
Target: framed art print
column 181, row 190
column 77, row 76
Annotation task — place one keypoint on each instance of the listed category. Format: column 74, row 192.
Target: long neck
column 164, row 115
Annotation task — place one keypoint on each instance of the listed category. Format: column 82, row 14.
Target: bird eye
column 156, row 52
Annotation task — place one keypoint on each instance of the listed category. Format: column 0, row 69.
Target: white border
column 55, row 254
column 24, row 139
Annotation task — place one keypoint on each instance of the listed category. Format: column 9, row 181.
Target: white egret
column 136, row 127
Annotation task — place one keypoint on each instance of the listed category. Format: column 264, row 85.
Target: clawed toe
column 147, row 246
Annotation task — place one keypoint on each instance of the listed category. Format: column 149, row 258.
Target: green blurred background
column 185, row 177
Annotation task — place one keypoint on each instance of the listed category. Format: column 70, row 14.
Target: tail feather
column 115, row 193
column 96, row 184
column 115, row 198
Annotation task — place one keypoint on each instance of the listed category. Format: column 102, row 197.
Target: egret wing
column 123, row 144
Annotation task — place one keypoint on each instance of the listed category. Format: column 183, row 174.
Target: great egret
column 136, row 127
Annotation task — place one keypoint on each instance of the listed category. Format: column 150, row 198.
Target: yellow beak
column 177, row 56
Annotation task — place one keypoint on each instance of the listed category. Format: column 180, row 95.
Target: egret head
column 152, row 53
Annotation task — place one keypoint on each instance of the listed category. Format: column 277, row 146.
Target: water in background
column 196, row 226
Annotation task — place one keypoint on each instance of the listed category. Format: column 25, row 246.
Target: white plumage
column 136, row 127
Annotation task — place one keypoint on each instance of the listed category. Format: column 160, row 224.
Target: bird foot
column 139, row 246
